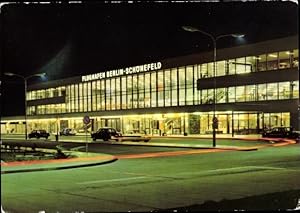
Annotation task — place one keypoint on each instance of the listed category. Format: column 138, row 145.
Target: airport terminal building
column 256, row 86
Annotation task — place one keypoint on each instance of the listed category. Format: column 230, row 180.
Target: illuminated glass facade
column 252, row 83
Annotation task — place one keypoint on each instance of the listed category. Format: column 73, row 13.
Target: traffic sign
column 86, row 119
column 215, row 119
column 215, row 123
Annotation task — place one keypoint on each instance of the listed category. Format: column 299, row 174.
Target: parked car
column 39, row 134
column 135, row 136
column 106, row 133
column 67, row 131
column 83, row 131
column 281, row 132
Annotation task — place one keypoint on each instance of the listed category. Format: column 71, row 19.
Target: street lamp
column 25, row 91
column 214, row 40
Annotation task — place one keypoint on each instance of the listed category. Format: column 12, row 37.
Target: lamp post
column 214, row 40
column 25, row 78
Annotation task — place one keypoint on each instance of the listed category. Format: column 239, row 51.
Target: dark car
column 67, row 131
column 39, row 134
column 281, row 132
column 105, row 134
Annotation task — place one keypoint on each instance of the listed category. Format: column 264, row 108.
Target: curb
column 59, row 167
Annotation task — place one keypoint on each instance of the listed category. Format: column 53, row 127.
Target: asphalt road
column 116, row 149
column 172, row 179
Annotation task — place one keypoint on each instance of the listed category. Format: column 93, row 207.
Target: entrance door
column 246, row 123
column 155, row 127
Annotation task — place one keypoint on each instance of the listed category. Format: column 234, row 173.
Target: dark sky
column 69, row 40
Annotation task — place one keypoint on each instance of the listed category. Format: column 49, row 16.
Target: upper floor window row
column 46, row 93
column 263, row 62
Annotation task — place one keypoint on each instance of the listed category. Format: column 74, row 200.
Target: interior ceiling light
column 272, row 55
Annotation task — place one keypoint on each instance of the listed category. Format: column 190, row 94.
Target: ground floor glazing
column 160, row 124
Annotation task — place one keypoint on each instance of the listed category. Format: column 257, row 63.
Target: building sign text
column 119, row 72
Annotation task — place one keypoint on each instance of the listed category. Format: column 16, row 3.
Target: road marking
column 234, row 169
column 222, row 171
column 112, row 180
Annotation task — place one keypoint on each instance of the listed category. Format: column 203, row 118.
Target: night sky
column 66, row 40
